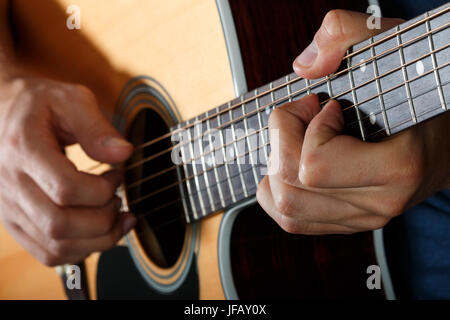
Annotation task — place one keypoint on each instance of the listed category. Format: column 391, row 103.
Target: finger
column 308, row 205
column 290, row 121
column 60, row 249
column 264, row 196
column 63, row 183
column 67, row 223
column 354, row 210
column 78, row 114
column 36, row 250
column 340, row 30
column 331, row 160
column 83, row 247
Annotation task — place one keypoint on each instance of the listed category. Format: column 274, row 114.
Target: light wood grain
column 179, row 42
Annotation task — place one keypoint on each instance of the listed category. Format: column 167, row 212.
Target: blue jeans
column 427, row 247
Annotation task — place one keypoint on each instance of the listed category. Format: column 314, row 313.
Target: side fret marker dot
column 372, row 118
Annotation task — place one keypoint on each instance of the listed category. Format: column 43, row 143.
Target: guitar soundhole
column 161, row 227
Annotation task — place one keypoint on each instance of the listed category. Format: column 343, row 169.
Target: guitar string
column 175, row 184
column 145, row 215
column 134, row 184
column 231, row 161
column 293, row 94
column 146, row 179
column 155, row 210
column 348, row 56
column 305, row 89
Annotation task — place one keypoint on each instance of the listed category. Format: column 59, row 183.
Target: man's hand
column 57, row 213
column 331, row 183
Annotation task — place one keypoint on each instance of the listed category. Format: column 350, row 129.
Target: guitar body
column 153, row 64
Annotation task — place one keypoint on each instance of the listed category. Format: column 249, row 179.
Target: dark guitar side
column 266, row 261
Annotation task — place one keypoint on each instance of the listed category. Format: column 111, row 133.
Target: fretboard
column 386, row 84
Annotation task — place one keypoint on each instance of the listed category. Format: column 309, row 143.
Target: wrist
column 438, row 149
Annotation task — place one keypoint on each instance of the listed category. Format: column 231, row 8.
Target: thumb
column 324, row 127
column 98, row 138
column 340, row 29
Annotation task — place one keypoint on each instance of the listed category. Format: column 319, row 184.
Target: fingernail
column 128, row 224
column 308, row 56
column 115, row 142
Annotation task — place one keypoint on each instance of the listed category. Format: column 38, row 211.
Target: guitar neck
column 386, row 84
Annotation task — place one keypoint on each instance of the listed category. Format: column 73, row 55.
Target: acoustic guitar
column 163, row 70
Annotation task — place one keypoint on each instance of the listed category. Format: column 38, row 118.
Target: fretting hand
column 331, row 183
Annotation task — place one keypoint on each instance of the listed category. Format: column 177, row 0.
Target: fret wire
column 261, row 132
column 196, row 180
column 233, row 133
column 289, row 88
column 308, row 86
column 216, row 173
column 355, row 100
column 355, row 66
column 406, row 121
column 401, row 85
column 330, row 90
column 379, row 91
column 434, row 62
column 227, row 171
column 405, row 78
column 379, row 95
column 188, row 185
column 185, row 206
column 202, row 159
column 178, row 183
column 334, row 75
column 190, row 178
column 253, row 162
column 201, row 190
column 272, row 97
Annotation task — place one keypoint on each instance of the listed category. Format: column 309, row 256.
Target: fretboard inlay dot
column 420, row 67
column 362, row 66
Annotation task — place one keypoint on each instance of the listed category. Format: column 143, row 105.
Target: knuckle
column 55, row 229
column 332, row 24
column 283, row 203
column 59, row 248
column 50, row 260
column 289, row 225
column 84, row 92
column 287, row 172
column 13, row 141
column 274, row 117
column 311, row 170
column 391, row 207
column 108, row 222
column 376, row 223
column 62, row 192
